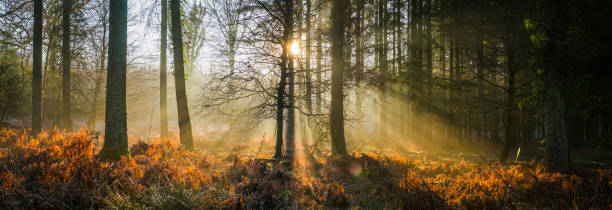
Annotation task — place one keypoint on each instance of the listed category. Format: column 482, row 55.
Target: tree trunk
column 179, row 76
column 398, row 24
column 479, row 50
column 66, row 120
column 383, row 67
column 280, row 97
column 429, row 69
column 308, row 57
column 93, row 114
column 508, row 114
column 290, row 129
column 555, row 65
column 163, row 75
column 37, row 68
column 318, row 88
column 359, row 74
column 338, row 19
column 294, row 66
column 115, row 134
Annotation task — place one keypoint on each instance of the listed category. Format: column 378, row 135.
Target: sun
column 294, row 48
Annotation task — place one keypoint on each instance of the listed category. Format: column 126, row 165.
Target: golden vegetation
column 60, row 170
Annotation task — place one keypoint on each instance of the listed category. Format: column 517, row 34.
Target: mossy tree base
column 113, row 154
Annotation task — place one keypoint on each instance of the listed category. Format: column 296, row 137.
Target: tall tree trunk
column 479, row 50
column 338, row 19
column 509, row 130
column 429, row 68
column 294, row 66
column 555, row 65
column 319, row 89
column 115, row 134
column 290, row 129
column 37, row 68
column 163, row 75
column 359, row 74
column 308, row 57
column 398, row 24
column 280, row 105
column 383, row 67
column 179, row 76
column 66, row 120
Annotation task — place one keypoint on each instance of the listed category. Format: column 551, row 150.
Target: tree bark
column 37, row 68
column 338, row 19
column 280, row 97
column 163, row 75
column 509, row 113
column 318, row 88
column 66, row 58
column 308, row 54
column 480, row 54
column 115, row 134
column 179, row 76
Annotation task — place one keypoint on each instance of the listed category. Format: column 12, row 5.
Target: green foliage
column 12, row 85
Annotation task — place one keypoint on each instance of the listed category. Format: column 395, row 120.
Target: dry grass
column 60, row 170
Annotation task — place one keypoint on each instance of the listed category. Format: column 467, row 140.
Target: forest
column 305, row 104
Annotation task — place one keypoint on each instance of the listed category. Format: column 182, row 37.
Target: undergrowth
column 61, row 171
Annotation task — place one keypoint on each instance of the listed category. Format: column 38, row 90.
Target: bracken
column 60, row 170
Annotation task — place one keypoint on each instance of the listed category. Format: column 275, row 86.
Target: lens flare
column 294, row 48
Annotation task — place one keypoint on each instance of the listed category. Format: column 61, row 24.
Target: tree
column 37, row 68
column 228, row 15
column 338, row 19
column 66, row 59
column 163, row 75
column 287, row 12
column 307, row 56
column 12, row 90
column 193, row 35
column 555, row 68
column 100, row 46
column 293, row 70
column 115, row 133
column 179, row 76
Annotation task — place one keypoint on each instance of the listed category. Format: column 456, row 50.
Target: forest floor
column 60, row 171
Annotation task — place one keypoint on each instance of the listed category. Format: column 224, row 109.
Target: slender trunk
column 429, row 69
column 66, row 120
column 290, row 129
column 280, row 105
column 382, row 62
column 319, row 59
column 359, row 54
column 480, row 53
column 163, row 75
column 555, row 65
column 93, row 114
column 509, row 115
column 37, row 68
column 45, row 76
column 451, row 94
column 179, row 76
column 338, row 19
column 308, row 59
column 398, row 24
column 115, row 134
